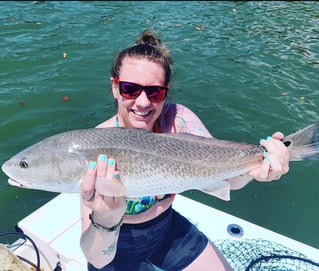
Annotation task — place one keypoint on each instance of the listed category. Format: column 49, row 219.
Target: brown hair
column 148, row 46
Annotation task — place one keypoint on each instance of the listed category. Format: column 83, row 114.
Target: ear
column 115, row 88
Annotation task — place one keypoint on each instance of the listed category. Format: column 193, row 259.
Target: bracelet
column 102, row 228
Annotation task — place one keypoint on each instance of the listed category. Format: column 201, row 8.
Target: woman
column 136, row 234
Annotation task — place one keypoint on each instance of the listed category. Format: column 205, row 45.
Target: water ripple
column 247, row 68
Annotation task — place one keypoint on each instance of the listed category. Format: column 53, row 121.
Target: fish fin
column 303, row 144
column 220, row 190
column 110, row 188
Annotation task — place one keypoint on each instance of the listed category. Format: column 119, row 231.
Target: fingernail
column 269, row 137
column 92, row 164
column 111, row 162
column 116, row 175
column 267, row 159
column 103, row 157
column 262, row 140
column 265, row 153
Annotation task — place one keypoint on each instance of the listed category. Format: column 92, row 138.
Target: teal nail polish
column 103, row 157
column 269, row 137
column 262, row 140
column 92, row 165
column 111, row 162
column 265, row 153
column 267, row 159
column 116, row 175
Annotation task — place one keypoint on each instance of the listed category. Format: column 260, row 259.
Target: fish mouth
column 15, row 183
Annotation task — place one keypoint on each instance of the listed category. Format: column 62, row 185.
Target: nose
column 142, row 100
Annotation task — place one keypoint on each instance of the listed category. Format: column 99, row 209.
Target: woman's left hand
column 276, row 161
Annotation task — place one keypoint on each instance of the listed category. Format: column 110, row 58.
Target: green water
column 246, row 68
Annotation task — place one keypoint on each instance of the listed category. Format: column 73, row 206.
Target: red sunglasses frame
column 161, row 92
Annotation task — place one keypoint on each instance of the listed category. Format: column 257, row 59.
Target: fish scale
column 149, row 163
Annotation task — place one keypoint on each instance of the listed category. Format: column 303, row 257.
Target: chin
column 145, row 126
column 143, row 122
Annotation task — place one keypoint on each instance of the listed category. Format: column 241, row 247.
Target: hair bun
column 149, row 37
column 147, row 46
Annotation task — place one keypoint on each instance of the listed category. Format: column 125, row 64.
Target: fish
column 149, row 163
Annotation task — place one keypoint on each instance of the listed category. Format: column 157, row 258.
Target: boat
column 49, row 238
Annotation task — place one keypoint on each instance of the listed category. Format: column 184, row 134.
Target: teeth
column 141, row 113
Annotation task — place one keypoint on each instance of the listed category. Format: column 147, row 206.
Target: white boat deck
column 55, row 228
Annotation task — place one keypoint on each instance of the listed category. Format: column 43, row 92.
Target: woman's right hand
column 108, row 209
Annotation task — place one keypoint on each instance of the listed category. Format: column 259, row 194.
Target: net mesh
column 263, row 255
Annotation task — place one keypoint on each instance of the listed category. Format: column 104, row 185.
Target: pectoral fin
column 110, row 188
column 219, row 189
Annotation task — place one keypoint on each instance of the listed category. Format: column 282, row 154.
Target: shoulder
column 185, row 112
column 171, row 111
column 183, row 120
column 108, row 123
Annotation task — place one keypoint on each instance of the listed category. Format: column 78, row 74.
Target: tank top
column 141, row 204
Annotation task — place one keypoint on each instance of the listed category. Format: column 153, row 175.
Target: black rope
column 25, row 237
column 271, row 257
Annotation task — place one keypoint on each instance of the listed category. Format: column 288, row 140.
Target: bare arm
column 99, row 246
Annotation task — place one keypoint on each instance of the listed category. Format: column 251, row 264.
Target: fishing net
column 263, row 255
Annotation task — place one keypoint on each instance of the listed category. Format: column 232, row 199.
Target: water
column 246, row 68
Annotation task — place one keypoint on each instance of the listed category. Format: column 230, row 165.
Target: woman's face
column 139, row 112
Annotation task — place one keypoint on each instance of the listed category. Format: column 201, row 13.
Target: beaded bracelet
column 105, row 229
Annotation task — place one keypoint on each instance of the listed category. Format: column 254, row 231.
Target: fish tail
column 304, row 144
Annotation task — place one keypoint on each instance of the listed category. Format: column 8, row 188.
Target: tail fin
column 304, row 144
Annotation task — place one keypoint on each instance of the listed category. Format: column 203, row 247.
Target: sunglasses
column 131, row 90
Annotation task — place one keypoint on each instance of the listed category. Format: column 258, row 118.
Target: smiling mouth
column 141, row 114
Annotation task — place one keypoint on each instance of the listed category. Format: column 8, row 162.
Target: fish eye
column 23, row 163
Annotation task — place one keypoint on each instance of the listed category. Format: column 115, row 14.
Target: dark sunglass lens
column 156, row 94
column 132, row 91
column 129, row 90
